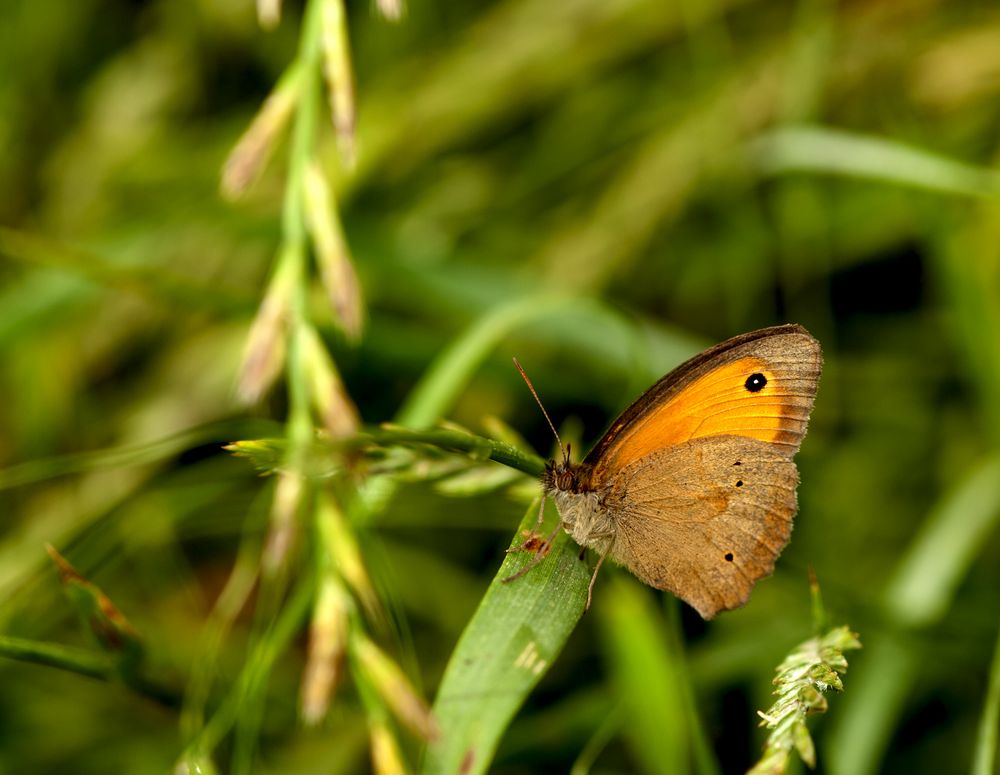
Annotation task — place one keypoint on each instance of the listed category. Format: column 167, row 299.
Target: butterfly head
column 564, row 476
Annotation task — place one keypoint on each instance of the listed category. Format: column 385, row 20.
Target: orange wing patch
column 746, row 397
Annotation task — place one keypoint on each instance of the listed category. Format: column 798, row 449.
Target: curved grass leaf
column 832, row 151
column 511, row 641
column 918, row 596
column 989, row 722
column 647, row 680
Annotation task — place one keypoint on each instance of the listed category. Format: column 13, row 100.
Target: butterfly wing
column 697, row 474
column 704, row 519
column 760, row 385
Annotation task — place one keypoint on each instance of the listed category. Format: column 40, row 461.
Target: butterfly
column 693, row 487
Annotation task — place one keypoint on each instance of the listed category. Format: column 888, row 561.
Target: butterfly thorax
column 583, row 516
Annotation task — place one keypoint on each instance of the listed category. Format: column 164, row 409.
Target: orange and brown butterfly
column 693, row 486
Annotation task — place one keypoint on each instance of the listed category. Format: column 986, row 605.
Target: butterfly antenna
column 565, row 450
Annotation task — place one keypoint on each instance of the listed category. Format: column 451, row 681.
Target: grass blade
column 511, row 641
column 832, row 151
column 918, row 596
column 649, row 679
column 946, row 545
column 989, row 722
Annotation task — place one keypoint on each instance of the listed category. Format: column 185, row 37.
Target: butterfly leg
column 590, row 587
column 530, row 543
column 541, row 553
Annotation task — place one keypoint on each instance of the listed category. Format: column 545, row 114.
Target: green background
column 686, row 171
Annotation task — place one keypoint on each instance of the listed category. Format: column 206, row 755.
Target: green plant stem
column 478, row 447
column 274, row 621
column 74, row 660
column 260, row 661
column 304, row 131
column 293, row 225
column 130, row 455
column 241, row 583
column 104, row 667
column 603, row 735
column 268, row 454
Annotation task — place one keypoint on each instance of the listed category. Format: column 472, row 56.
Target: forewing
column 713, row 395
column 704, row 519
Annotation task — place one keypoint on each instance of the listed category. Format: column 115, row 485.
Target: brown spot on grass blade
column 533, row 542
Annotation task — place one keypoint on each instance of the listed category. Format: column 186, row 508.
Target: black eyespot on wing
column 755, row 382
column 729, row 556
column 737, row 463
column 739, row 482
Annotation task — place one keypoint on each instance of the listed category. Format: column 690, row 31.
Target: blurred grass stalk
column 926, row 578
column 283, row 338
column 644, row 656
column 989, row 722
column 917, row 597
column 827, row 150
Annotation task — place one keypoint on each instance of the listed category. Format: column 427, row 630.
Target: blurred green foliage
column 681, row 172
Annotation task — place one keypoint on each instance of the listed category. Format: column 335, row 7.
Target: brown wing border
column 674, row 381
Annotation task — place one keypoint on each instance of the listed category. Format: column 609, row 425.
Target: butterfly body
column 584, row 512
column 693, row 487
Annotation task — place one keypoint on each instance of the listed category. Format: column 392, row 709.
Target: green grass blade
column 880, row 688
column 604, row 733
column 449, row 374
column 926, row 578
column 918, row 596
column 511, row 641
column 127, row 455
column 989, row 722
column 156, row 284
column 649, row 679
column 832, row 151
column 91, row 663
